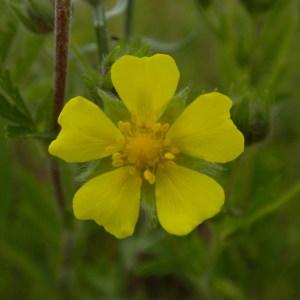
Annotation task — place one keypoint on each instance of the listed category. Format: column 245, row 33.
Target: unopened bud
column 254, row 6
column 204, row 3
column 253, row 123
column 36, row 16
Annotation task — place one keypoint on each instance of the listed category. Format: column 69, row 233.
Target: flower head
column 145, row 150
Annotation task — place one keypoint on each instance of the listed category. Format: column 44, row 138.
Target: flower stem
column 100, row 28
column 128, row 20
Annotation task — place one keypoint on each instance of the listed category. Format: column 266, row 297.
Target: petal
column 85, row 134
column 205, row 130
column 146, row 84
column 185, row 198
column 112, row 200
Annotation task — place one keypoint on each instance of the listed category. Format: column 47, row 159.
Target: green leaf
column 94, row 168
column 25, row 132
column 176, row 106
column 44, row 113
column 199, row 164
column 136, row 47
column 7, row 36
column 12, row 92
column 11, row 113
column 113, row 107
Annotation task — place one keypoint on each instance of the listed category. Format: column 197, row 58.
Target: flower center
column 143, row 148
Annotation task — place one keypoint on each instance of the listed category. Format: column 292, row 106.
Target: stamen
column 142, row 148
column 156, row 127
column 149, row 176
column 118, row 163
column 111, row 149
column 117, row 159
column 125, row 127
column 169, row 156
column 117, row 156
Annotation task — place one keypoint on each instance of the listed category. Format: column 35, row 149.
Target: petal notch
column 85, row 134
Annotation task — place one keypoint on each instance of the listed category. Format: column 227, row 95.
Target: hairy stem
column 62, row 23
column 62, row 20
column 128, row 20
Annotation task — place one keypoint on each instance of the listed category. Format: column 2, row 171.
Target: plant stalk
column 128, row 20
column 100, row 28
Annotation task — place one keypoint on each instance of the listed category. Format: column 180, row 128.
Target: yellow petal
column 85, row 133
column 205, row 130
column 112, row 200
column 146, row 84
column 185, row 198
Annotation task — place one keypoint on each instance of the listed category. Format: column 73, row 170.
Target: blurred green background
column 247, row 49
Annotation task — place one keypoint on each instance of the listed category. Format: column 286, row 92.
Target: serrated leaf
column 176, row 106
column 94, row 168
column 11, row 113
column 197, row 164
column 25, row 132
column 113, row 107
column 92, row 89
column 12, row 91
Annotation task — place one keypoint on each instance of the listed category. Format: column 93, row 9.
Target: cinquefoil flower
column 144, row 149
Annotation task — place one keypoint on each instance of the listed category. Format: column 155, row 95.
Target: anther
column 110, row 149
column 117, row 156
column 169, row 156
column 149, row 176
column 156, row 127
column 124, row 127
column 118, row 163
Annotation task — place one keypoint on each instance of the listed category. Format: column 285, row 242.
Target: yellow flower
column 145, row 150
